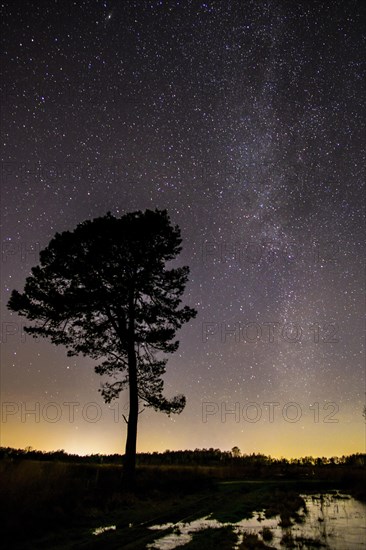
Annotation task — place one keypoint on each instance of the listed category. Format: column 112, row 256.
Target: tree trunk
column 130, row 454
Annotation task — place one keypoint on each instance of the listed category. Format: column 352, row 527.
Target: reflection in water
column 333, row 521
column 337, row 520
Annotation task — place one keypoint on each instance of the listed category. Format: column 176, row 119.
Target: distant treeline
column 200, row 457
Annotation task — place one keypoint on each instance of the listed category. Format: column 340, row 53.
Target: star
column 244, row 123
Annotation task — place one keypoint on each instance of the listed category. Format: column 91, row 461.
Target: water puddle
column 100, row 530
column 333, row 521
column 337, row 520
column 182, row 533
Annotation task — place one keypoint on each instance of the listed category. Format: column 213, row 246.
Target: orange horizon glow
column 289, row 442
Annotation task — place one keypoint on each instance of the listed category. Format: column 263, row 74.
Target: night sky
column 244, row 119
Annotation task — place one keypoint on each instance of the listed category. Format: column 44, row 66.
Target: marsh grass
column 267, row 534
column 44, row 497
column 288, row 540
column 55, row 502
column 251, row 541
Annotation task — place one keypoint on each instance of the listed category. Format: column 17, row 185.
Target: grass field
column 58, row 504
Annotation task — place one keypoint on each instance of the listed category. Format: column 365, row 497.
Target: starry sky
column 244, row 120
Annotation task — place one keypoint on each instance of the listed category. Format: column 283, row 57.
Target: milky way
column 244, row 120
